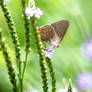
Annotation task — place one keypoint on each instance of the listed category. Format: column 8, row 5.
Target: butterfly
column 54, row 33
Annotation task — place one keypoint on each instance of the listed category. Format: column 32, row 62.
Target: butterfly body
column 54, row 33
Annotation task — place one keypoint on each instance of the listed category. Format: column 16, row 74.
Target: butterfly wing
column 47, row 33
column 60, row 28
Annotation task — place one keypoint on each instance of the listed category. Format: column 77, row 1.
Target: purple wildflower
column 7, row 0
column 84, row 81
column 66, row 90
column 33, row 90
column 87, row 49
column 38, row 13
column 33, row 11
column 38, row 55
column 48, row 52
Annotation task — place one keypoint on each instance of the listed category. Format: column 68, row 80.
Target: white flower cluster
column 33, row 11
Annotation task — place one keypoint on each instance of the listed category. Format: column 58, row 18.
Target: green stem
column 21, row 84
column 11, row 26
column 27, row 35
column 11, row 72
column 27, row 38
column 52, row 74
column 70, row 86
column 20, row 78
column 13, row 35
column 42, row 61
column 24, row 65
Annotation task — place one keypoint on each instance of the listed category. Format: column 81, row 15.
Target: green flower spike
column 12, row 28
column 64, row 83
column 40, row 48
column 52, row 74
column 27, row 34
column 41, row 56
column 70, row 85
column 11, row 72
column 14, row 37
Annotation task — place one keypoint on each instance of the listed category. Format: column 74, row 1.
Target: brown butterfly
column 54, row 33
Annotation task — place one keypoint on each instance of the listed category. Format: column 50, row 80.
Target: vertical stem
column 20, row 78
column 70, row 86
column 24, row 65
column 13, row 36
column 42, row 57
column 52, row 74
column 11, row 72
column 12, row 29
column 27, row 35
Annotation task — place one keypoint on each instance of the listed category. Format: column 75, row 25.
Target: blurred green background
column 68, row 60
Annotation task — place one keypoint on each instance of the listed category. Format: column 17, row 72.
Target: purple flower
column 84, row 81
column 7, row 0
column 33, row 11
column 66, row 90
column 48, row 52
column 87, row 49
column 33, row 90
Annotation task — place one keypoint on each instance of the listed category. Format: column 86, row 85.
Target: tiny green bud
column 70, row 85
column 3, row 40
column 0, row 30
column 31, row 3
column 29, row 49
column 64, row 82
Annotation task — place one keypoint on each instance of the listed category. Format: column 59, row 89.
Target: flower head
column 84, row 81
column 38, row 13
column 87, row 49
column 48, row 52
column 33, row 11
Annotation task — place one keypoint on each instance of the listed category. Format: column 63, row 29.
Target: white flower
column 38, row 13
column 29, row 12
column 66, row 90
column 33, row 11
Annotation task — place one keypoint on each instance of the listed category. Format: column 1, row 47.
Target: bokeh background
column 70, row 58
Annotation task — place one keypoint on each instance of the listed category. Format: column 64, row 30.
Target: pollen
column 40, row 30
